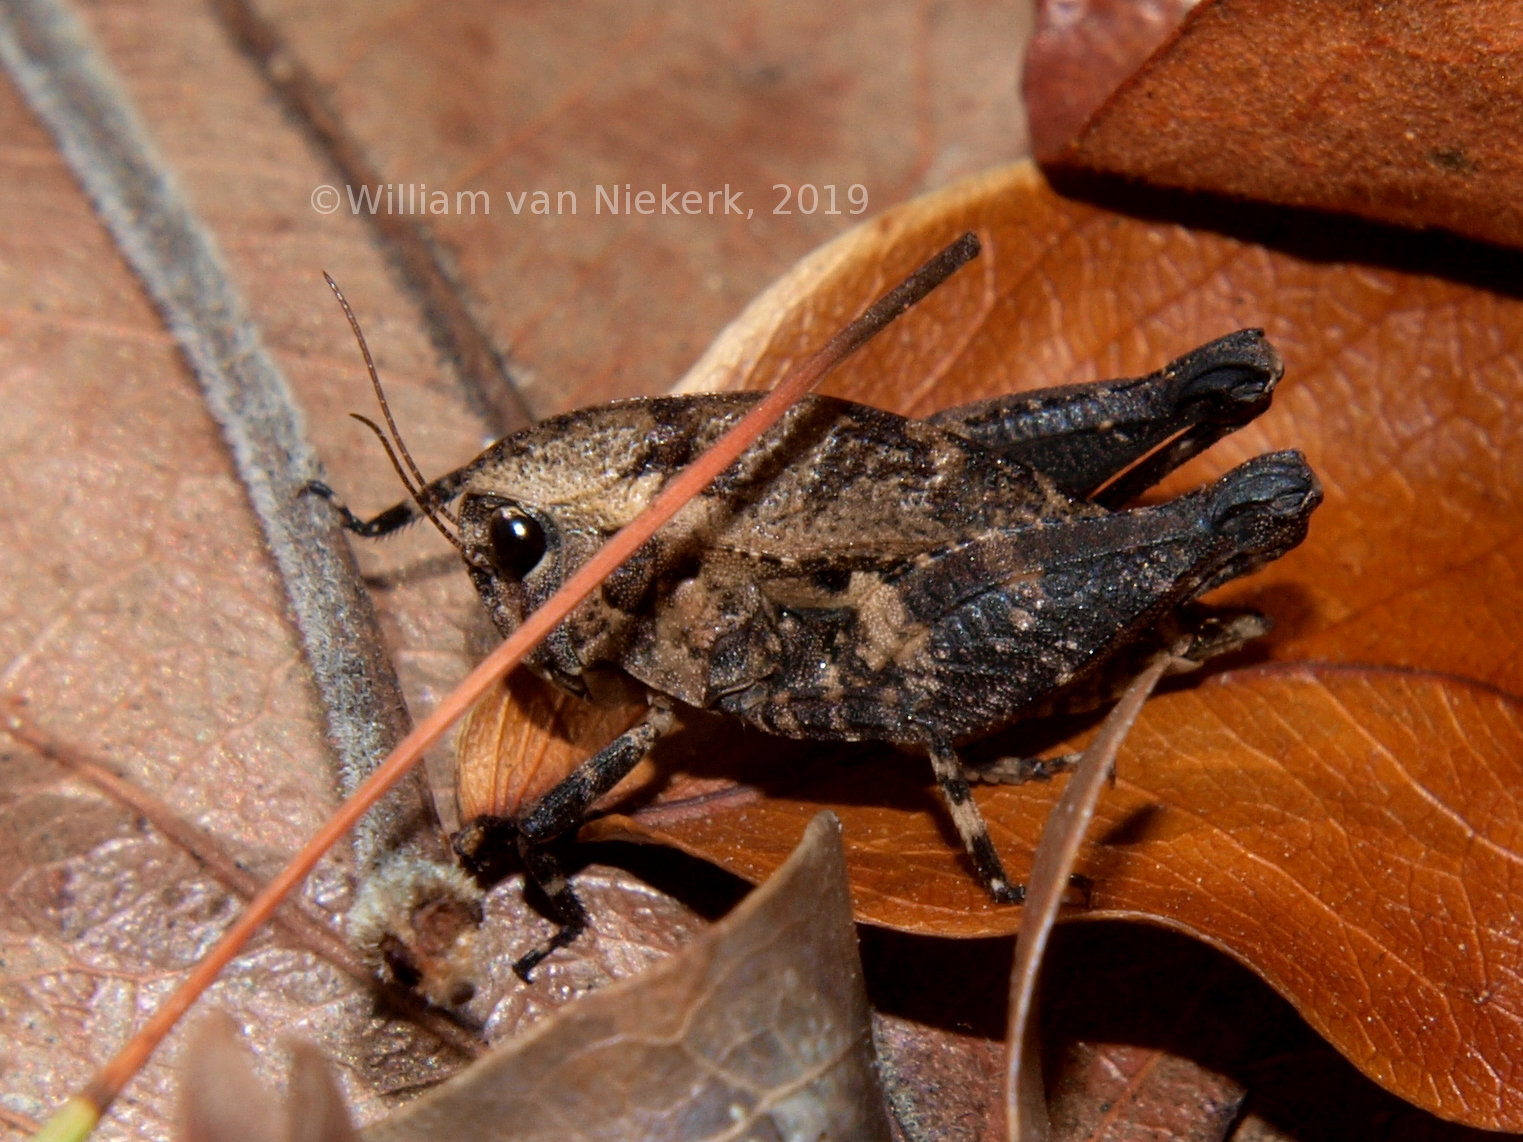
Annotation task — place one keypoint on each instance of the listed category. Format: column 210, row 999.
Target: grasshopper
column 859, row 575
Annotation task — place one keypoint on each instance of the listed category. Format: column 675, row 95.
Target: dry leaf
column 1080, row 51
column 141, row 617
column 758, row 1028
column 1119, row 1092
column 1132, row 1011
column 223, row 1100
column 1401, row 390
column 1403, row 112
column 138, row 610
column 1153, row 1035
column 1147, row 1034
column 525, row 736
column 253, row 172
column 1349, row 858
column 941, row 1084
column 635, row 926
column 707, row 95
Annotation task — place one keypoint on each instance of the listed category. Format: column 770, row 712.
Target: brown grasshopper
column 861, row 575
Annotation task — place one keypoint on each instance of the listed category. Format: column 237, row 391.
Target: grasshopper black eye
column 518, row 541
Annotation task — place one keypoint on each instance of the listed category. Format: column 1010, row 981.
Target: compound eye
column 518, row 542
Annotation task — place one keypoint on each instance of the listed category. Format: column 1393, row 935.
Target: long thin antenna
column 416, row 485
column 77, row 1117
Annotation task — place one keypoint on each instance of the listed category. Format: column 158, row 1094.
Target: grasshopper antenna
column 391, row 454
column 375, row 381
column 416, row 486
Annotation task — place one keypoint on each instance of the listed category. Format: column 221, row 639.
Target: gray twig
column 73, row 90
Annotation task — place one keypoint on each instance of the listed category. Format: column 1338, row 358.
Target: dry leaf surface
column 151, row 629
column 222, row 1099
column 702, row 96
column 140, row 614
column 757, row 1029
column 1080, row 52
column 1372, row 808
column 1403, row 112
column 1434, row 545
column 523, row 737
column 1149, row 1034
column 636, row 926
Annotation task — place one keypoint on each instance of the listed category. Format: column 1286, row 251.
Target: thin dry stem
column 1051, row 867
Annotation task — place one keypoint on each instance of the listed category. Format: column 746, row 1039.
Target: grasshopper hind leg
column 1085, row 436
column 971, row 826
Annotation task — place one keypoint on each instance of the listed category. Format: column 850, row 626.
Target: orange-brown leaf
column 1405, row 112
column 522, row 738
column 1354, row 836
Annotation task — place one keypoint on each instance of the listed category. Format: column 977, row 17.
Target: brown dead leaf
column 1131, row 1011
column 1349, row 834
column 251, row 173
column 1152, row 1035
column 1081, row 51
column 524, row 737
column 940, row 1084
column 1402, row 112
column 703, row 96
column 1147, row 1034
column 1402, row 389
column 223, row 1100
column 1119, row 1092
column 635, row 926
column 141, row 617
column 758, row 1028
column 138, row 610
